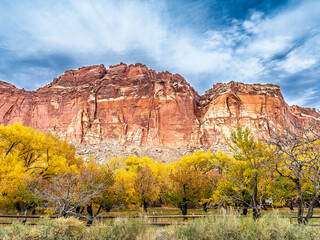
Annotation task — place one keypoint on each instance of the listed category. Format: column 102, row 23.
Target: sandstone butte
column 131, row 105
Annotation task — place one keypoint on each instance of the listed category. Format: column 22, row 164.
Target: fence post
column 25, row 219
column 153, row 217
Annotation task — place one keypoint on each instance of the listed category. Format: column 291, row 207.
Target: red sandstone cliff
column 136, row 106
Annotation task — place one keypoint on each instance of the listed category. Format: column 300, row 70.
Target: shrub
column 122, row 228
column 233, row 227
column 17, row 231
column 213, row 227
column 61, row 229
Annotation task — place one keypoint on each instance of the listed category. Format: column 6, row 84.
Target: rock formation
column 131, row 105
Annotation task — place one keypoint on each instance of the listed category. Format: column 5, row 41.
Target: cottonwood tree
column 252, row 159
column 116, row 194
column 25, row 156
column 209, row 166
column 183, row 186
column 231, row 187
column 144, row 175
column 145, row 186
column 70, row 192
column 209, row 184
column 281, row 191
column 298, row 159
column 120, row 191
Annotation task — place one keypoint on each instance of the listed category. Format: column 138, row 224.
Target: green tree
column 253, row 163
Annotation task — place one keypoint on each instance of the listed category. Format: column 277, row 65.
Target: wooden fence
column 154, row 218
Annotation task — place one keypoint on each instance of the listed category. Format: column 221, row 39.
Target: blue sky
column 251, row 41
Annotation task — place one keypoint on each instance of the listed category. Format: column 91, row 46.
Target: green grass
column 230, row 226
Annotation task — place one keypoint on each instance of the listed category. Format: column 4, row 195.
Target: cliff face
column 128, row 104
column 260, row 107
column 132, row 105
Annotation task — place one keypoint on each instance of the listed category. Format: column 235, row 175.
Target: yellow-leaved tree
column 27, row 155
column 145, row 180
column 208, row 167
column 298, row 160
column 245, row 178
column 192, row 180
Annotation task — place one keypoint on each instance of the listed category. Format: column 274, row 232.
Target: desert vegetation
column 213, row 227
column 40, row 173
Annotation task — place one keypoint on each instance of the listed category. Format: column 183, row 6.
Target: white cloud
column 303, row 97
column 241, row 52
column 121, row 26
column 81, row 26
column 295, row 64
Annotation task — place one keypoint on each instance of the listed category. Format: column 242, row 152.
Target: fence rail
column 141, row 216
column 153, row 217
column 99, row 217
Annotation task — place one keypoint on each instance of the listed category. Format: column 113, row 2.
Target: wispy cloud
column 44, row 38
column 302, row 98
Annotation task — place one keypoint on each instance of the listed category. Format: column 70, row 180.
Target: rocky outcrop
column 262, row 108
column 131, row 105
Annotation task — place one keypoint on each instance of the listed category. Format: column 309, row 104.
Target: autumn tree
column 208, row 166
column 72, row 191
column 231, row 187
column 281, row 191
column 182, row 188
column 298, row 159
column 98, row 178
column 145, row 186
column 193, row 179
column 27, row 154
column 253, row 158
column 117, row 193
column 145, row 180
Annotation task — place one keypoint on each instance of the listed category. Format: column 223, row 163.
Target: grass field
column 270, row 226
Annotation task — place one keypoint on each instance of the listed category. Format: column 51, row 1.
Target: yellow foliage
column 25, row 153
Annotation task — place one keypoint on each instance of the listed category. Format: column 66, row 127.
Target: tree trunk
column 78, row 210
column 299, row 201
column 91, row 216
column 160, row 201
column 313, row 203
column 90, row 212
column 145, row 206
column 90, row 221
column 205, row 207
column 264, row 205
column 99, row 209
column 245, row 211
column 25, row 214
column 107, row 208
column 184, row 208
column 18, row 207
column 291, row 205
column 256, row 213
